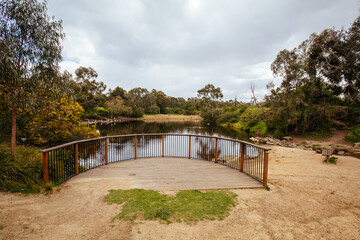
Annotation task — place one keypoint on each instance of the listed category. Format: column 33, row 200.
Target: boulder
column 355, row 153
column 254, row 139
column 262, row 140
column 293, row 145
column 341, row 153
column 287, row 138
column 356, row 145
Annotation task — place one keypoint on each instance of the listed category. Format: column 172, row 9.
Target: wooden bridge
column 160, row 161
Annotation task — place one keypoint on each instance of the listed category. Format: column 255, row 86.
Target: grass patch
column 332, row 160
column 189, row 205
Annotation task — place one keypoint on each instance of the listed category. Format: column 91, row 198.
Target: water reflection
column 169, row 127
column 122, row 148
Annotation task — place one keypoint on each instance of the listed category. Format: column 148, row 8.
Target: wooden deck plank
column 171, row 174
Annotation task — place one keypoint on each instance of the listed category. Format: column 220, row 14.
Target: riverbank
column 336, row 139
column 106, row 120
column 146, row 118
column 170, row 118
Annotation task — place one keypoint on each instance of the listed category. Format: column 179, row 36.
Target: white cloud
column 179, row 46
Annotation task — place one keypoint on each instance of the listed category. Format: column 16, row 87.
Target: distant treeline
column 320, row 87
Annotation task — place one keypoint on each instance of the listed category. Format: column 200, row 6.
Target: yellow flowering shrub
column 58, row 121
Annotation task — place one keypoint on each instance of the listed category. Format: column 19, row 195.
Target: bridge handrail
column 149, row 134
column 67, row 160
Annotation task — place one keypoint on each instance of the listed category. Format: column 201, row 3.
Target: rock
column 355, row 153
column 318, row 150
column 356, row 145
column 308, row 146
column 287, row 138
column 341, row 149
column 341, row 153
column 262, row 140
column 293, row 145
column 254, row 139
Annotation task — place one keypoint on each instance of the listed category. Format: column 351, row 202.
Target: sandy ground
column 309, row 199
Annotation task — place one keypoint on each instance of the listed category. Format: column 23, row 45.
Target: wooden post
column 216, row 150
column 162, row 149
column 76, row 159
column 189, row 147
column 106, row 151
column 266, row 162
column 242, row 157
column 135, row 140
column 45, row 167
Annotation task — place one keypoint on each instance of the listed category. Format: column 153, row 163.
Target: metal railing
column 65, row 161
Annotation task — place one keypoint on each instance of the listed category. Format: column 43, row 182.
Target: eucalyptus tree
column 209, row 95
column 88, row 91
column 322, row 71
column 30, row 50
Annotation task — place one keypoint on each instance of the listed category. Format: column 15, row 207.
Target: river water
column 197, row 128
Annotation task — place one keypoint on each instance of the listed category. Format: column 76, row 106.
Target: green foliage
column 259, row 128
column 58, row 121
column 102, row 111
column 30, row 51
column 88, row 91
column 188, row 205
column 5, row 122
column 318, row 74
column 210, row 111
column 331, row 160
column 22, row 174
column 246, row 119
column 354, row 134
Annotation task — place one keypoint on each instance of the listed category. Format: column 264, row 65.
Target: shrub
column 259, row 129
column 102, row 111
column 24, row 173
column 354, row 134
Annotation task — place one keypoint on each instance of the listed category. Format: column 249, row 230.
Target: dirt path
column 337, row 137
column 308, row 200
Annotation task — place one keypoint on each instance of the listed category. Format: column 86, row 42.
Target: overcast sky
column 180, row 46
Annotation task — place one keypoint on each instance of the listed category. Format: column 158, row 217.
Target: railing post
column 266, row 161
column 76, row 159
column 106, row 151
column 45, row 167
column 216, row 150
column 189, row 147
column 242, row 157
column 135, row 144
column 162, row 148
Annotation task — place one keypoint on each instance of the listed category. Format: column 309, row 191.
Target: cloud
column 179, row 46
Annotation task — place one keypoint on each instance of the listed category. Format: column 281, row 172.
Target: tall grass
column 23, row 174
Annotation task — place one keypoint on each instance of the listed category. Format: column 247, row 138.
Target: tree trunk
column 13, row 132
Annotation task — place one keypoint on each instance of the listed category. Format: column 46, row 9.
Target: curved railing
column 67, row 160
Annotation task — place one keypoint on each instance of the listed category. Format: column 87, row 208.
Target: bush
column 354, row 134
column 259, row 129
column 23, row 174
column 102, row 111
